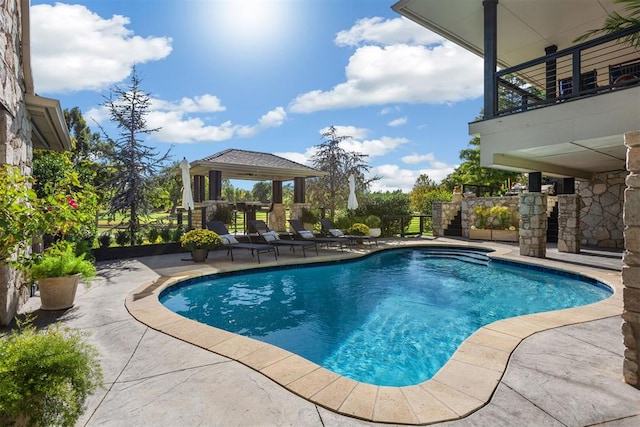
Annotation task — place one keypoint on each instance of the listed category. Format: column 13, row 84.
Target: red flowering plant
column 67, row 208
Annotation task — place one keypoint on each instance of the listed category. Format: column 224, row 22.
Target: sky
column 269, row 76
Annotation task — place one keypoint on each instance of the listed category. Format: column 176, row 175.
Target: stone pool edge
column 463, row 385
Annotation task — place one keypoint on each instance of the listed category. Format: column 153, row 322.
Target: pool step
column 473, row 257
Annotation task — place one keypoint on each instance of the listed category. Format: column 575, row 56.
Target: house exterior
column 584, row 134
column 27, row 121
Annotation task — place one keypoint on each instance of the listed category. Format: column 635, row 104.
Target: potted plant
column 480, row 230
column 46, row 376
column 57, row 271
column 199, row 241
column 506, row 232
column 374, row 223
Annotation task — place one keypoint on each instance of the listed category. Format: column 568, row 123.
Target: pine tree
column 135, row 163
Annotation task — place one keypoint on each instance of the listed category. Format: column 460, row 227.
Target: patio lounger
column 273, row 238
column 330, row 230
column 302, row 233
column 230, row 242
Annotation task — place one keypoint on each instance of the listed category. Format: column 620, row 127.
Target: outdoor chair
column 298, row 230
column 273, row 238
column 329, row 229
column 230, row 242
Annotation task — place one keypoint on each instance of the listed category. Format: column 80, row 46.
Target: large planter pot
column 58, row 293
column 505, row 235
column 480, row 233
column 375, row 232
column 199, row 255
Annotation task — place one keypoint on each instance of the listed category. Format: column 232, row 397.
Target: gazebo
column 254, row 166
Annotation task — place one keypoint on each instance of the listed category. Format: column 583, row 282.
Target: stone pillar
column 631, row 263
column 436, row 219
column 277, row 218
column 569, row 235
column 533, row 225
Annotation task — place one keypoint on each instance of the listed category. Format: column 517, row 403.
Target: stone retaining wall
column 601, row 213
column 468, row 204
column 442, row 215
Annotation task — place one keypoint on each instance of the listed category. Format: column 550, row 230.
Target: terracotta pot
column 199, row 255
column 58, row 293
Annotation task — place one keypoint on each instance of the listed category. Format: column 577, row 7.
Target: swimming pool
column 392, row 318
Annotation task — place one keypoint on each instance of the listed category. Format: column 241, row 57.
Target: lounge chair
column 273, row 238
column 230, row 242
column 330, row 230
column 299, row 231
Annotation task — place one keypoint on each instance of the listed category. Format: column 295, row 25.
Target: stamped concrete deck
column 164, row 370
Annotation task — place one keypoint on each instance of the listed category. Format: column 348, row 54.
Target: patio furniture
column 273, row 238
column 298, row 230
column 230, row 242
column 330, row 230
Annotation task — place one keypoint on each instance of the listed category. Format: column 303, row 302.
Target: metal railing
column 599, row 65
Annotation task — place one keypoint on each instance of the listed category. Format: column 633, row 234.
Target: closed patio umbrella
column 187, row 196
column 352, row 202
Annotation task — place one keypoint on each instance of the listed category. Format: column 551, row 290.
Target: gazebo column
column 277, row 218
column 298, row 198
column 215, row 185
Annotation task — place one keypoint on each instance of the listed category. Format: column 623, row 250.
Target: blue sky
column 268, row 75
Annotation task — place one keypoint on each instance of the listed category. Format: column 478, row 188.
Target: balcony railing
column 600, row 65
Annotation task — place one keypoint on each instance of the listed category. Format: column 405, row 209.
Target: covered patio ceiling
column 525, row 28
column 253, row 166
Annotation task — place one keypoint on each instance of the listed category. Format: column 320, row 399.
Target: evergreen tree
column 134, row 162
column 331, row 191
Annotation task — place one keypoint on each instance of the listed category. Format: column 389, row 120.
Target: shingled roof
column 253, row 165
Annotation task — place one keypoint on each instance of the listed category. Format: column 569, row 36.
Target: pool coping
column 462, row 386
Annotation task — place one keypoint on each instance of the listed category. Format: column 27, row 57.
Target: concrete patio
column 566, row 376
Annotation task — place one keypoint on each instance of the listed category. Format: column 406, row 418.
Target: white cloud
column 391, row 31
column 352, row 131
column 198, row 104
column 398, row 122
column 400, row 74
column 74, row 49
column 414, row 158
column 393, row 178
column 302, row 158
column 373, row 147
column 178, row 124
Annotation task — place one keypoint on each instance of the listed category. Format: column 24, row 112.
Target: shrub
column 46, row 376
column 222, row 213
column 122, row 237
column 309, row 216
column 166, row 235
column 177, row 234
column 373, row 221
column 503, row 214
column 482, row 215
column 104, row 240
column 153, row 235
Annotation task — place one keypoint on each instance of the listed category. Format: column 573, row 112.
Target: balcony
column 540, row 121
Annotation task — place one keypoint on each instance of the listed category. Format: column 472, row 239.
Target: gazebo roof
column 252, row 165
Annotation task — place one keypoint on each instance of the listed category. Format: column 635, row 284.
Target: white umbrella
column 187, row 196
column 352, row 203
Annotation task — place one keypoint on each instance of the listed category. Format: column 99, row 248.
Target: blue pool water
column 393, row 318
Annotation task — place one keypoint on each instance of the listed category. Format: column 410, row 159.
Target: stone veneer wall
column 442, row 215
column 533, row 224
column 601, row 214
column 631, row 263
column 468, row 204
column 569, row 223
column 15, row 135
